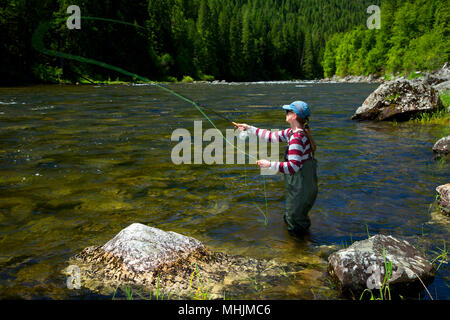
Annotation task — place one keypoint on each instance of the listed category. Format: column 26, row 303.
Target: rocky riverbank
column 353, row 79
column 402, row 99
column 432, row 77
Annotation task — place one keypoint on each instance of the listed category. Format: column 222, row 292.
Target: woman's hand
column 263, row 163
column 241, row 126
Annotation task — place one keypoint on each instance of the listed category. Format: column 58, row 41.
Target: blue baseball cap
column 299, row 107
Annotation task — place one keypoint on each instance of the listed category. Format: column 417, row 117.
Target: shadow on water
column 80, row 163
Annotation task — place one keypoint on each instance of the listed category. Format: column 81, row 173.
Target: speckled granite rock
column 442, row 147
column 443, row 86
column 444, row 199
column 362, row 266
column 399, row 99
column 146, row 249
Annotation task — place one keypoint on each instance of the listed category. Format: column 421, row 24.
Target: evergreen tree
column 236, row 63
column 248, row 45
column 329, row 58
column 232, row 40
column 206, row 27
column 413, row 35
column 308, row 58
column 223, row 42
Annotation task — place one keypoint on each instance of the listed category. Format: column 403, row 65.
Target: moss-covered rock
column 363, row 266
column 398, row 100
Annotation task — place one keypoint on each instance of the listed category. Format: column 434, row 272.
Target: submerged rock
column 442, row 147
column 439, row 218
column 444, row 199
column 362, row 266
column 399, row 100
column 152, row 260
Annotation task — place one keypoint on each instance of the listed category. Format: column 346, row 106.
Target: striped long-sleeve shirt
column 299, row 148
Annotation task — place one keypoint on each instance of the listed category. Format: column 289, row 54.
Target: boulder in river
column 442, row 147
column 399, row 100
column 151, row 260
column 444, row 199
column 362, row 266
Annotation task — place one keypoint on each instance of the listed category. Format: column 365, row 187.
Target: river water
column 80, row 163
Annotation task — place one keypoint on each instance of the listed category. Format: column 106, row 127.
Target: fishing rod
column 215, row 112
column 201, row 105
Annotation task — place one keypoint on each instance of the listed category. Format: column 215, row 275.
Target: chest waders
column 301, row 194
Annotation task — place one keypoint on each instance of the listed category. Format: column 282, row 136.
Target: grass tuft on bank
column 440, row 116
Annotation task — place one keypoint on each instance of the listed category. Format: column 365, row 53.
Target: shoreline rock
column 444, row 199
column 361, row 266
column 400, row 98
column 442, row 147
column 353, row 79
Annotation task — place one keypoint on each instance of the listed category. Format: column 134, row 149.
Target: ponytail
column 308, row 134
column 310, row 138
column 304, row 124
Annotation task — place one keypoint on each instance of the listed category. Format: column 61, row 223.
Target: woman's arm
column 269, row 136
column 298, row 152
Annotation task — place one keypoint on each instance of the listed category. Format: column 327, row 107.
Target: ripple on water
column 103, row 165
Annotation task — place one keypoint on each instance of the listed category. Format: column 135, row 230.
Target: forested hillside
column 203, row 39
column 414, row 35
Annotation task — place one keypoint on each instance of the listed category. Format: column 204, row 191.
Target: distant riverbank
column 372, row 78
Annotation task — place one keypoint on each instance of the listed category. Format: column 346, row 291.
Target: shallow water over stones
column 147, row 260
column 80, row 163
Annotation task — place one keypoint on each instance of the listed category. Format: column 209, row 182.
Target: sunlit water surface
column 80, row 163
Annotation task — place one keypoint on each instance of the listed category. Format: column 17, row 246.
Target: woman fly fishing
column 298, row 166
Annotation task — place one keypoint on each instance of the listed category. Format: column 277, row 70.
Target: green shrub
column 170, row 79
column 205, row 77
column 445, row 98
column 413, row 75
column 47, row 73
column 187, row 79
column 426, row 52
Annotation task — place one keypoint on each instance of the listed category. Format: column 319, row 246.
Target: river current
column 80, row 163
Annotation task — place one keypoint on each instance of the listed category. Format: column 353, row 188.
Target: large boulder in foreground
column 399, row 100
column 362, row 266
column 442, row 147
column 444, row 199
column 148, row 260
column 141, row 248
